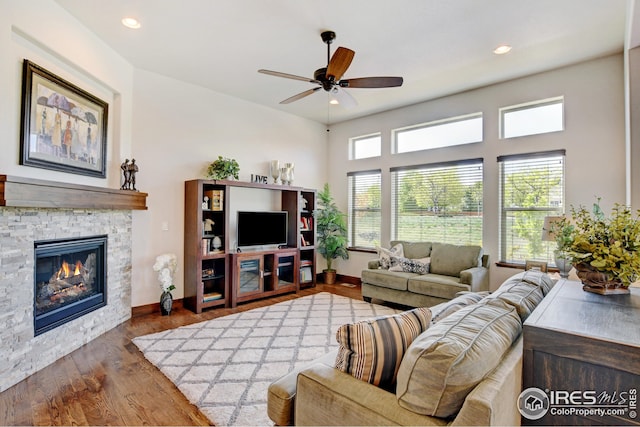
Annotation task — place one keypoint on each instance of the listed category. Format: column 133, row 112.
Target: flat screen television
column 262, row 228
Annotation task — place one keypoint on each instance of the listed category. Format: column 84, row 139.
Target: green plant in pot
column 332, row 232
column 560, row 230
column 606, row 250
column 223, row 168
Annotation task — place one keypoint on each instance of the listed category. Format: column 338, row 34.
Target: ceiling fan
column 330, row 79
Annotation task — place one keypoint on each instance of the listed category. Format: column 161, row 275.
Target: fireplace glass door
column 70, row 278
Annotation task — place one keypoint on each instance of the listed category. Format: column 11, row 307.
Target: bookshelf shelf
column 207, row 216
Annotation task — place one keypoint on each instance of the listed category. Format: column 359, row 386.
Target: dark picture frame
column 536, row 265
column 63, row 127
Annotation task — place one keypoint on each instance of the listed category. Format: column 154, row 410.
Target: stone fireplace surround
column 22, row 353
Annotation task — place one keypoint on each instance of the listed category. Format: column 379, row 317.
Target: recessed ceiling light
column 502, row 49
column 131, row 23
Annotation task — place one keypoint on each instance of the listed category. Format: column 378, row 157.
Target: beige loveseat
column 320, row 394
column 452, row 269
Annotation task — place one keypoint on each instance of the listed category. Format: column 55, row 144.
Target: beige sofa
column 319, row 394
column 452, row 269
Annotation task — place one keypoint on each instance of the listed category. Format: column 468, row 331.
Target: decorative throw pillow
column 371, row 350
column 385, row 255
column 419, row 266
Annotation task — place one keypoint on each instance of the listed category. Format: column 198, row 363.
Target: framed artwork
column 63, row 127
column 536, row 265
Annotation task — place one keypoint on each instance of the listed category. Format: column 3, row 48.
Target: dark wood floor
column 109, row 382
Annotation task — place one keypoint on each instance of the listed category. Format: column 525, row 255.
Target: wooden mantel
column 37, row 193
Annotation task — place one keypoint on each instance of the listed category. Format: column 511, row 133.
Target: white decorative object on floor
column 225, row 365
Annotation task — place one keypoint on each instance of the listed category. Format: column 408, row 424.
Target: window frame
column 504, row 211
column 394, row 206
column 353, row 142
column 352, row 211
column 436, row 123
column 502, row 111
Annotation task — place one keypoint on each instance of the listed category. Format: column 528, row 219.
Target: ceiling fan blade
column 288, row 76
column 372, row 82
column 339, row 63
column 343, row 97
column 300, row 95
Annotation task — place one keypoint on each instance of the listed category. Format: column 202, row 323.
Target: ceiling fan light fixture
column 502, row 49
column 130, row 22
column 332, row 97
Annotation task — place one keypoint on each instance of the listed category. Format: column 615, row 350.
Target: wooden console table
column 576, row 341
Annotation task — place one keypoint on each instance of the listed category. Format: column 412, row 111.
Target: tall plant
column 331, row 228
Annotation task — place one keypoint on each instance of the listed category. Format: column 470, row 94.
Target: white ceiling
column 439, row 46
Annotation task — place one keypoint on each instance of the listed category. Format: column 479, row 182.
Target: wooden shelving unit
column 222, row 277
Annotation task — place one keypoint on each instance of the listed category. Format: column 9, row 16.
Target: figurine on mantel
column 129, row 170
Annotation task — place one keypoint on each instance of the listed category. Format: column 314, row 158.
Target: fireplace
column 70, row 280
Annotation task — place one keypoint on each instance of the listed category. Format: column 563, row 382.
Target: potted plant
column 223, row 168
column 606, row 250
column 561, row 231
column 332, row 232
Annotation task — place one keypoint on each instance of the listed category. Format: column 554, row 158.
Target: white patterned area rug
column 225, row 365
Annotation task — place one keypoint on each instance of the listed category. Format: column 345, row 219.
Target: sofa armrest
column 476, row 277
column 374, row 264
column 327, row 396
column 281, row 394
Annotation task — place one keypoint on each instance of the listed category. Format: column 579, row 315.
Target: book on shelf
column 305, row 262
column 305, row 274
column 306, row 223
column 211, row 296
column 217, row 199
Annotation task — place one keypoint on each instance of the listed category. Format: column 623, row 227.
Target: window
column 364, row 222
column 440, row 133
column 363, row 147
column 531, row 187
column 438, row 202
column 532, row 118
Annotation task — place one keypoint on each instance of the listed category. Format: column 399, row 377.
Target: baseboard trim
column 143, row 310
column 341, row 278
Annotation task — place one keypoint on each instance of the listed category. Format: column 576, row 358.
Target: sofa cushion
column 450, row 358
column 523, row 296
column 537, row 278
column 387, row 279
column 418, row 266
column 461, row 300
column 414, row 250
column 385, row 255
column 436, row 285
column 450, row 260
column 371, row 350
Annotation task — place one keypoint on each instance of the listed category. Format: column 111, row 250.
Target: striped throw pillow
column 371, row 350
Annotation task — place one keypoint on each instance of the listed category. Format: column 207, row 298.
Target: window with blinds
column 438, row 202
column 364, row 221
column 531, row 187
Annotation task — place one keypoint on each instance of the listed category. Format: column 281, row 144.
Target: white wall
column 594, row 139
column 50, row 37
column 172, row 129
column 178, row 129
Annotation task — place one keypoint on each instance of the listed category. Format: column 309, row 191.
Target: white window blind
column 531, row 187
column 438, row 202
column 364, row 214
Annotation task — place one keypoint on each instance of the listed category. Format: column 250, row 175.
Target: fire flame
column 65, row 270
